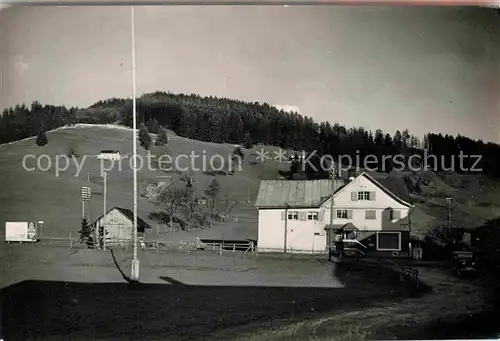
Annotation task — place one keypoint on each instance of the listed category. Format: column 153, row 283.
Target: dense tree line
column 232, row 121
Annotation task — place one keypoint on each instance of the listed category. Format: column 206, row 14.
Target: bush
column 161, row 138
column 86, row 234
column 144, row 137
column 72, row 151
column 247, row 141
column 41, row 139
column 153, row 126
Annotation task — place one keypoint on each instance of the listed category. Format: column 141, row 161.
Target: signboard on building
column 20, row 231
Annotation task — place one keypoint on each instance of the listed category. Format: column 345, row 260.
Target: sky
column 428, row 69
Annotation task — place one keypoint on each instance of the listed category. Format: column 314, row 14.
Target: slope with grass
column 41, row 195
column 55, row 198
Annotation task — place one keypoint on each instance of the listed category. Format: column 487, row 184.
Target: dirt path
column 440, row 313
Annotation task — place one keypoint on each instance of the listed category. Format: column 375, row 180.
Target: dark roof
column 141, row 224
column 109, row 151
column 346, row 227
column 394, row 185
column 295, row 193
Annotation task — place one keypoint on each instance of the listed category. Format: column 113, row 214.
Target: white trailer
column 20, row 232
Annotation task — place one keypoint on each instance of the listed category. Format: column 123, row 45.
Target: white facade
column 305, row 227
column 354, row 211
column 301, row 234
column 118, row 226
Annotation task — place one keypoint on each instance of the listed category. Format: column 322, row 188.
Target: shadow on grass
column 375, row 277
column 125, row 277
column 173, row 311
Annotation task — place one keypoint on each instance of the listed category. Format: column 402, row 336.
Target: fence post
column 70, row 243
column 220, row 249
column 234, row 247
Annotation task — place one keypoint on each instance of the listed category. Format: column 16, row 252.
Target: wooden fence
column 156, row 245
column 405, row 272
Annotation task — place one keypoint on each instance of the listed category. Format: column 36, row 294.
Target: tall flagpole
column 135, row 261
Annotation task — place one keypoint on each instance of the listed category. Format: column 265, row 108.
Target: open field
column 52, row 292
column 183, row 296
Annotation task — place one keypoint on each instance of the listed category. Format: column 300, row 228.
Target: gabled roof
column 312, row 193
column 141, row 224
column 392, row 185
column 295, row 193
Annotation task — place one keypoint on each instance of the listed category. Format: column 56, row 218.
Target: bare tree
column 170, row 199
column 212, row 191
column 190, row 205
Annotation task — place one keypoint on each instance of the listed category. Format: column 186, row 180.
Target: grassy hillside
column 38, row 195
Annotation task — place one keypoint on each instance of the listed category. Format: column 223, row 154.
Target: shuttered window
column 354, row 196
column 312, row 216
column 364, row 195
column 293, row 215
column 370, row 214
column 344, row 214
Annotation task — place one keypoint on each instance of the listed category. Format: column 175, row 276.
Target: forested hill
column 226, row 120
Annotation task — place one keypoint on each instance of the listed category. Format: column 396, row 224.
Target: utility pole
column 104, row 179
column 333, row 177
column 286, row 226
column 135, row 261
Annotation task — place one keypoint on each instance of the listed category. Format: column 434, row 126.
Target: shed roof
column 295, row 193
column 141, row 224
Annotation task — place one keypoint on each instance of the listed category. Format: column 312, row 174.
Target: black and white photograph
column 249, row 172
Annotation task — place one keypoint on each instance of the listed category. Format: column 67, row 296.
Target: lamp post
column 287, row 207
column 333, row 177
column 135, row 260
column 40, row 223
column 104, row 179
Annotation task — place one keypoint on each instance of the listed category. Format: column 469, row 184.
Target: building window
column 114, row 218
column 364, row 195
column 388, row 241
column 370, row 214
column 293, row 215
column 342, row 214
column 312, row 215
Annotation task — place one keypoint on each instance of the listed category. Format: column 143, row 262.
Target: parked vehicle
column 464, row 262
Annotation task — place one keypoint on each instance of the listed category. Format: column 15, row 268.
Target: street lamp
column 104, row 180
column 333, row 177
